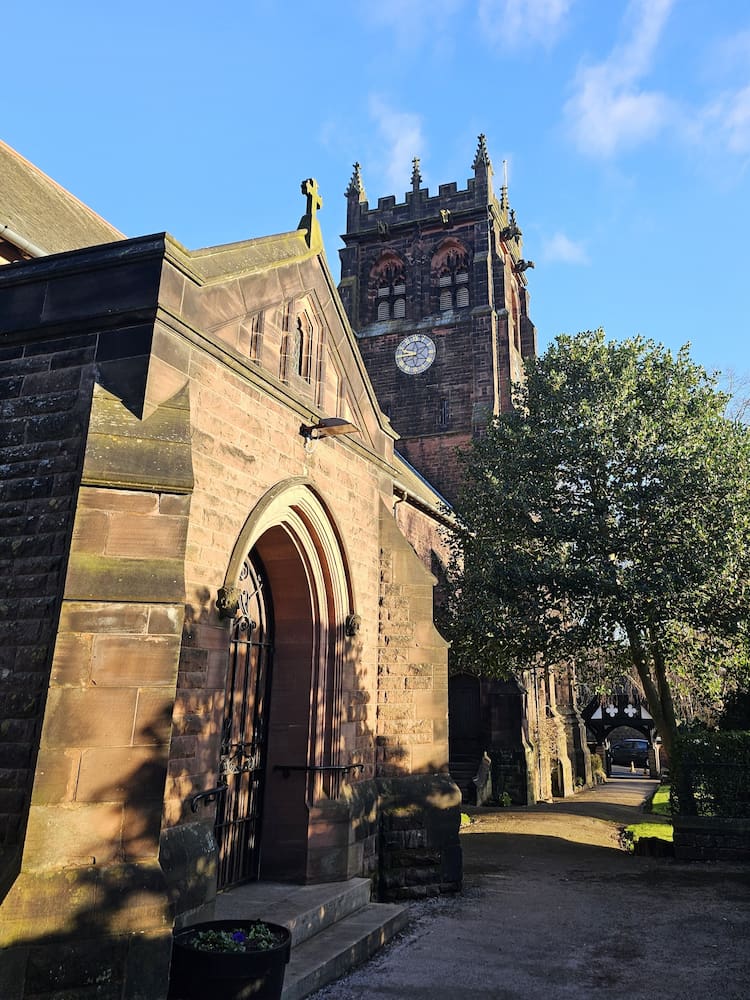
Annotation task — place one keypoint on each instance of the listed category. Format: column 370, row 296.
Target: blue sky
column 625, row 124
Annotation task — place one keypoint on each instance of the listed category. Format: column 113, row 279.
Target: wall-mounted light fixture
column 326, row 427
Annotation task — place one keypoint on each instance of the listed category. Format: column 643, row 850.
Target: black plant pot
column 253, row 975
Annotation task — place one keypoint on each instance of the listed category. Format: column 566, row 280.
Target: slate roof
column 42, row 212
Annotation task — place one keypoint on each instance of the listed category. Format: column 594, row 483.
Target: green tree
column 606, row 521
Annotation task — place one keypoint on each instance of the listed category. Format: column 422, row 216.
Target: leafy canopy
column 607, row 518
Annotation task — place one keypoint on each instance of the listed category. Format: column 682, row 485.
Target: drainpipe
column 7, row 234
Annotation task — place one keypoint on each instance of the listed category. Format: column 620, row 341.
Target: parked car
column 629, row 751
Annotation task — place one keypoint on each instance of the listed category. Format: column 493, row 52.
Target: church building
column 218, row 660
column 226, row 486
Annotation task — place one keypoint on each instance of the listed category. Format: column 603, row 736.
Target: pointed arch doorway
column 281, row 740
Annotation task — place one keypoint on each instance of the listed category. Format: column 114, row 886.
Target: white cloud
column 726, row 123
column 610, row 110
column 402, row 139
column 411, row 21
column 560, row 247
column 511, row 23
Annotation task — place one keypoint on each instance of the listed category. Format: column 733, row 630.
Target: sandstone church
column 223, row 518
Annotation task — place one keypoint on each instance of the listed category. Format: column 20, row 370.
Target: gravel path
column 554, row 908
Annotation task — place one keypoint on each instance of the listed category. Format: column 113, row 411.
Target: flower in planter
column 253, row 937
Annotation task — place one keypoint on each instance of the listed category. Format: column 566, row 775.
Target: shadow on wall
column 115, row 940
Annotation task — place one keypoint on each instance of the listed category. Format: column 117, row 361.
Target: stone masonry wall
column 90, row 877
column 709, row 838
column 45, row 391
column 245, row 442
column 420, row 804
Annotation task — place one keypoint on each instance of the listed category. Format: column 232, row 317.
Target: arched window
column 450, row 273
column 387, row 287
column 301, row 356
column 306, row 332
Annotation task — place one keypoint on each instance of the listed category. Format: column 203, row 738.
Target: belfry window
column 388, row 284
column 454, row 289
column 450, row 276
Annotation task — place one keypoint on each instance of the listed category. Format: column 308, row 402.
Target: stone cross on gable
column 314, row 201
column 309, row 220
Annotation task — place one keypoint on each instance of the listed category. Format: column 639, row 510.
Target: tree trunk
column 661, row 705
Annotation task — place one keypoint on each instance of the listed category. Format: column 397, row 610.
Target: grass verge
column 659, row 828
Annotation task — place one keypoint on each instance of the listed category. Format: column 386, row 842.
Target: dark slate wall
column 45, row 393
column 58, row 317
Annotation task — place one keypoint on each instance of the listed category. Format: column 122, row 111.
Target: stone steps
column 334, row 926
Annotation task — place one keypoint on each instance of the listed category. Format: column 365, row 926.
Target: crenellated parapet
column 435, row 287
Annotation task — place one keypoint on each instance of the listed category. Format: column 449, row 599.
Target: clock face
column 415, row 354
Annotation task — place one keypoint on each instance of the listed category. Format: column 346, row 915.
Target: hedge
column 711, row 774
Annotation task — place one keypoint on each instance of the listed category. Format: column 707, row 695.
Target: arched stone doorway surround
column 293, row 534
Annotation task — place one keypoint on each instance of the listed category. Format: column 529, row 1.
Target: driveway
column 554, row 908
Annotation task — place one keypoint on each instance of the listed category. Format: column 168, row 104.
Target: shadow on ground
column 555, row 909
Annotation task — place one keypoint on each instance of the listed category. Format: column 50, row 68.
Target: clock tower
column 435, row 288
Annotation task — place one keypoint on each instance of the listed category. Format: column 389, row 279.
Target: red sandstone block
column 164, row 383
column 124, row 773
column 58, row 836
column 153, row 717
column 211, row 636
column 36, row 900
column 154, row 537
column 106, row 616
column 418, row 683
column 216, row 669
column 113, row 500
column 95, row 577
column 122, row 661
column 89, row 718
column 176, row 504
column 71, row 663
column 194, row 702
column 171, row 291
column 396, row 711
column 55, row 777
column 165, row 619
column 90, row 531
column 188, row 725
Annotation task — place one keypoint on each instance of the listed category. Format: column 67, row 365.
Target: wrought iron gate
column 245, row 727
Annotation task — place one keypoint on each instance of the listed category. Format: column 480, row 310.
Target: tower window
column 451, row 274
column 388, row 288
column 444, row 413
